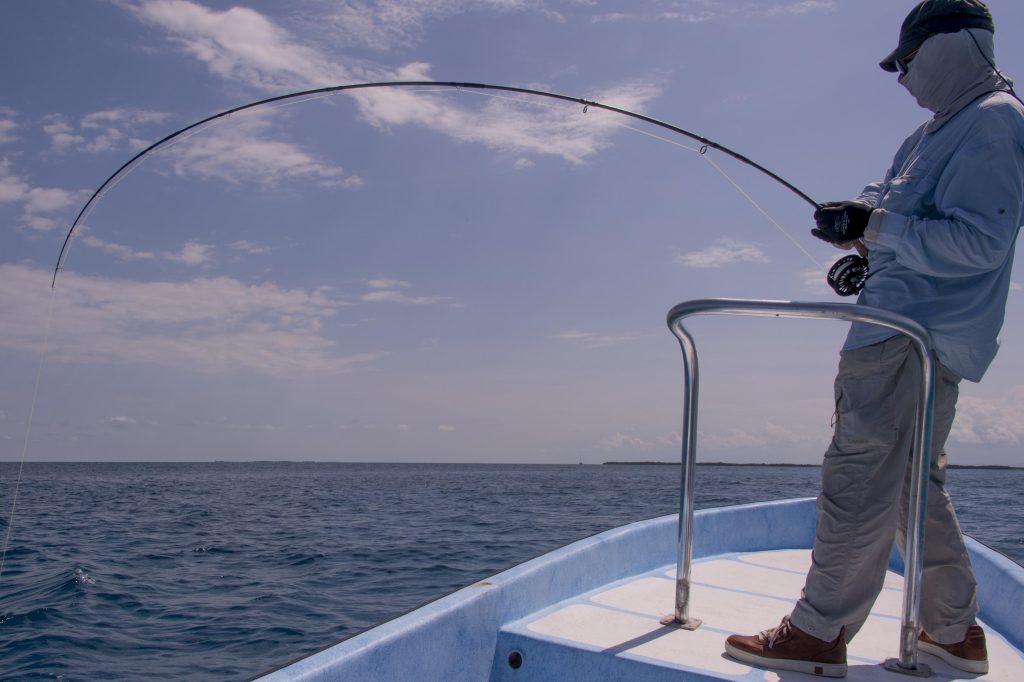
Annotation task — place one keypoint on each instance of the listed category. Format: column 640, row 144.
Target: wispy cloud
column 7, row 125
column 125, row 253
column 701, row 11
column 192, row 253
column 507, row 125
column 209, row 325
column 385, row 25
column 241, row 45
column 724, row 251
column 993, row 421
column 40, row 205
column 250, row 247
column 612, row 17
column 619, row 440
column 762, row 435
column 393, row 291
column 388, row 284
column 591, row 340
column 12, row 187
column 244, row 152
column 815, row 281
column 101, row 131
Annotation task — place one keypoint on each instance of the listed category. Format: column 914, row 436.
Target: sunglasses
column 903, row 65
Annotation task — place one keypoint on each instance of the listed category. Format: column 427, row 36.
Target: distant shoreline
column 994, row 467
column 1000, row 467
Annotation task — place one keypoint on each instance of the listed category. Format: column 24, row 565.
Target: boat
column 653, row 601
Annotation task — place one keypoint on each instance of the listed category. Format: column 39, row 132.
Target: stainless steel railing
column 907, row 661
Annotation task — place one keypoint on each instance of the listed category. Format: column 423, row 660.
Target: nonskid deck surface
column 618, row 626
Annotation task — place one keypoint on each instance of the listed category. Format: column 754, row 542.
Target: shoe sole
column 968, row 666
column 807, row 667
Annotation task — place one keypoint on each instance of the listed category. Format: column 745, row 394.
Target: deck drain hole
column 515, row 660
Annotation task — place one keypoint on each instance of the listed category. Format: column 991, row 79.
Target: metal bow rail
column 907, row 662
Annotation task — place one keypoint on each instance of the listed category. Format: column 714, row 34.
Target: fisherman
column 939, row 231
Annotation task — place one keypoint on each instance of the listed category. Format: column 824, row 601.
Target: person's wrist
column 874, row 226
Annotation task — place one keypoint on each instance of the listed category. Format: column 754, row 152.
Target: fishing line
column 759, row 208
column 28, row 427
column 703, row 152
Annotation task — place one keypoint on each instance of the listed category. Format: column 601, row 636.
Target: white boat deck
column 732, row 593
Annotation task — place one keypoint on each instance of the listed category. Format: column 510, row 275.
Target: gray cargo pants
column 863, row 501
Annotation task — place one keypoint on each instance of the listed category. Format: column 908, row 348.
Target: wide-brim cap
column 937, row 16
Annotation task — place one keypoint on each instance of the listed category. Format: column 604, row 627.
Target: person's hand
column 841, row 222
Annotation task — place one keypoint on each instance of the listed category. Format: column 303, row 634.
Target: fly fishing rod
column 848, row 274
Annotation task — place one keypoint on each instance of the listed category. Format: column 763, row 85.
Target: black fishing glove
column 841, row 221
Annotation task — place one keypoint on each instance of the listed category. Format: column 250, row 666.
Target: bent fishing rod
column 586, row 103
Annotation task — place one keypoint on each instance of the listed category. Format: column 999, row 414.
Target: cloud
column 383, row 25
column 611, row 18
column 509, row 125
column 590, row 340
column 38, row 203
column 49, row 199
column 387, row 291
column 996, row 421
column 7, row 126
column 101, row 131
column 446, row 428
column 388, row 284
column 242, row 151
column 123, row 252
column 209, row 325
column 241, row 45
column 724, row 251
column 815, row 281
column 763, row 435
column 192, row 254
column 784, row 8
column 701, row 11
column 12, row 188
column 250, row 247
column 619, row 440
column 120, row 420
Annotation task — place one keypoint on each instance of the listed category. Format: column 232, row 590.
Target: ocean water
column 225, row 571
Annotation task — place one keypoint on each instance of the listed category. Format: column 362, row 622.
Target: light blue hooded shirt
column 942, row 240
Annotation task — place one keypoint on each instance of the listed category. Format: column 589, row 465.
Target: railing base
column 688, row 624
column 920, row 670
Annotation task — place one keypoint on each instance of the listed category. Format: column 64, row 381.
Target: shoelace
column 771, row 634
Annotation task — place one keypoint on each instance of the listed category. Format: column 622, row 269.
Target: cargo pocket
column 864, row 413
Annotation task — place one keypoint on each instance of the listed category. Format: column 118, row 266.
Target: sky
column 440, row 275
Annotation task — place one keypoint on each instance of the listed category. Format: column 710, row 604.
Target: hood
column 950, row 71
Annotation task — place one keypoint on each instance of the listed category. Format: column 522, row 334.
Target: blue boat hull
column 459, row 637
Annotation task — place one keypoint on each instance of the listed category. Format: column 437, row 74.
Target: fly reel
column 848, row 275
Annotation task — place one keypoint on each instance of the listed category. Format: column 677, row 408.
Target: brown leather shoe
column 970, row 655
column 787, row 647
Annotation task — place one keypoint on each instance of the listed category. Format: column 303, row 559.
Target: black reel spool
column 848, row 275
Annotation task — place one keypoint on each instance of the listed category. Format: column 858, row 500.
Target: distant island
column 998, row 467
